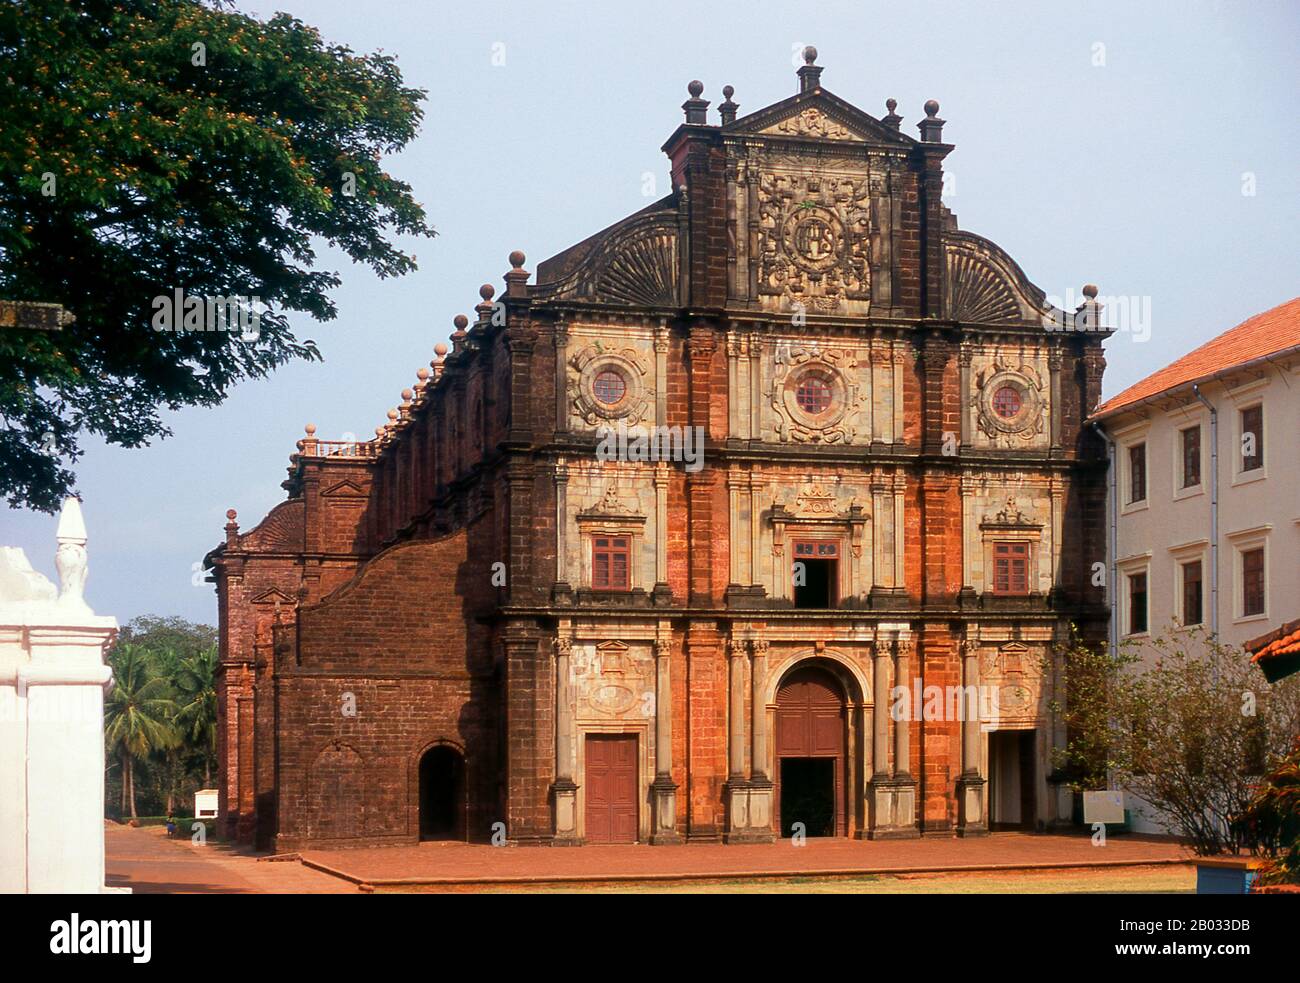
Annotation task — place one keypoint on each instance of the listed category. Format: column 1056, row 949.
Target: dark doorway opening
column 808, row 795
column 817, row 589
column 442, row 794
column 811, row 773
column 1013, row 779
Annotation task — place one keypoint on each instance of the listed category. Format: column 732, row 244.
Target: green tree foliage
column 164, row 694
column 1190, row 731
column 156, row 145
column 139, row 715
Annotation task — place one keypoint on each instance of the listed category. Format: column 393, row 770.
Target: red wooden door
column 611, row 788
column 810, row 724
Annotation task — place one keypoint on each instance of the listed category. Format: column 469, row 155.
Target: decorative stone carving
column 836, row 368
column 634, row 263
column 814, row 242
column 1028, row 420
column 812, row 122
column 1011, row 515
column 638, row 397
column 815, row 500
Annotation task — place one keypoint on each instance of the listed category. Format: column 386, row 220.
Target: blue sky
column 543, row 120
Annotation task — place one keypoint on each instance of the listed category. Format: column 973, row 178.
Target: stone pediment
column 272, row 595
column 346, row 488
column 818, row 115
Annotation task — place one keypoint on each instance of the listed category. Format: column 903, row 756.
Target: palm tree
column 195, row 682
column 138, row 714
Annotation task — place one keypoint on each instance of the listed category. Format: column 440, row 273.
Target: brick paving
column 459, row 863
column 146, row 861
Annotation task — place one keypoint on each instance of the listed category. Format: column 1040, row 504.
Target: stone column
column 970, row 786
column 736, row 710
column 561, row 377
column 892, row 803
column 902, row 725
column 662, row 593
column 758, row 676
column 561, row 528
column 663, row 790
column 734, row 407
column 883, row 701
column 566, row 791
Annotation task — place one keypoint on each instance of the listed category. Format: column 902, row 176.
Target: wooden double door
column 611, row 787
column 811, row 774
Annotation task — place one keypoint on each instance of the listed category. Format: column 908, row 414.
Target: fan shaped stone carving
column 978, row 291
column 636, row 264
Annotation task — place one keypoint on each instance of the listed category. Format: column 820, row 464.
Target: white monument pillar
column 52, row 684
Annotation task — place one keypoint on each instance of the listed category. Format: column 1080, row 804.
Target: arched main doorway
column 811, row 772
column 442, row 794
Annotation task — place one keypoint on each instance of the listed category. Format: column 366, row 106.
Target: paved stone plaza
column 145, row 860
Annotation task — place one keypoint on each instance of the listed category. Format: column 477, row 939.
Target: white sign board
column 1103, row 807
column 205, row 803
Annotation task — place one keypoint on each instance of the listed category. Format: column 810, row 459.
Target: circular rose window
column 813, row 395
column 1007, row 402
column 609, row 387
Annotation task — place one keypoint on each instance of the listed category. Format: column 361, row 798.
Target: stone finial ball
column 728, row 91
column 310, row 428
column 932, row 108
column 695, row 88
column 1090, row 291
column 891, row 104
column 392, row 414
column 422, row 373
column 406, row 395
column 517, row 259
column 379, row 431
column 440, row 349
column 809, row 55
column 461, row 322
column 486, row 291
column 231, row 514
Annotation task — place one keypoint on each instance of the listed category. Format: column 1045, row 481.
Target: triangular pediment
column 344, row 489
column 818, row 115
column 271, row 596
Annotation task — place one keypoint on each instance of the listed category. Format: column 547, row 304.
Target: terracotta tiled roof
column 1278, row 652
column 1264, row 334
column 1283, row 641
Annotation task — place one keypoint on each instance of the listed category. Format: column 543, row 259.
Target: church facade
column 758, row 513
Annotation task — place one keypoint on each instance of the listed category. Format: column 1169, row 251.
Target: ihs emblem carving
column 814, row 240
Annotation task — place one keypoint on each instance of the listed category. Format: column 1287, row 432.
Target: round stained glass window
column 1007, row 402
column 813, row 394
column 609, row 387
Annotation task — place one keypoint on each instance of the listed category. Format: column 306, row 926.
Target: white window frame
column 1124, row 570
column 1190, row 553
column 1191, row 491
column 1243, row 542
column 1239, row 475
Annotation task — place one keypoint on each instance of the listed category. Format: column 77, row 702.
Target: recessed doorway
column 442, row 794
column 1013, row 779
column 811, row 721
